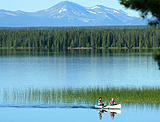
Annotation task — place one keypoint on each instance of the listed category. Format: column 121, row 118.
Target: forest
column 95, row 38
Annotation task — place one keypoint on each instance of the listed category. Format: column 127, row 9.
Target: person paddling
column 112, row 102
column 100, row 101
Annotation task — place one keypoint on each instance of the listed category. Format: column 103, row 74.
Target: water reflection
column 100, row 113
column 28, row 68
column 111, row 112
column 77, row 68
column 57, row 52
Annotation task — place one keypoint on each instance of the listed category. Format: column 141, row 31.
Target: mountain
column 68, row 14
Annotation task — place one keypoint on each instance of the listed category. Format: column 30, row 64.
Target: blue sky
column 35, row 5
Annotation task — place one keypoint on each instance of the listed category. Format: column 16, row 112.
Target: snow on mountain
column 92, row 12
column 69, row 14
column 95, row 7
column 62, row 10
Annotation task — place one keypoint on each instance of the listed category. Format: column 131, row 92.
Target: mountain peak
column 67, row 8
column 66, row 2
column 68, row 13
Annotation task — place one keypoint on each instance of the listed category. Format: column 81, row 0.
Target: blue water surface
column 77, row 69
column 23, row 69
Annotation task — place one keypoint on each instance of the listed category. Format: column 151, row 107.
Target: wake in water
column 47, row 106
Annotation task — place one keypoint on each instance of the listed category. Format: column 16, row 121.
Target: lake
column 46, row 69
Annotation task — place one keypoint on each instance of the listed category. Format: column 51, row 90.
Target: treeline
column 72, row 38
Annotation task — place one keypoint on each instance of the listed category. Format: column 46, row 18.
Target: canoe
column 117, row 106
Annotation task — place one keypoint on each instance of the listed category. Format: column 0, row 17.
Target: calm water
column 20, row 69
column 77, row 68
column 132, row 113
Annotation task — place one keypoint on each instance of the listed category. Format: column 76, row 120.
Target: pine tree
column 114, row 41
column 104, row 40
column 92, row 41
column 108, row 40
column 145, row 7
column 140, row 40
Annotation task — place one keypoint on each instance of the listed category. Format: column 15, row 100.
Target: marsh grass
column 88, row 95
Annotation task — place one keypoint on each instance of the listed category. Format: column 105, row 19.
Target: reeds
column 88, row 95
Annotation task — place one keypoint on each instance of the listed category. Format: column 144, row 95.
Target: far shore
column 80, row 48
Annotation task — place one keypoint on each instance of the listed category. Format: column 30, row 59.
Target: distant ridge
column 68, row 13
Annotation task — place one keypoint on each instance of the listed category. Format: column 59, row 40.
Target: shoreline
column 80, row 48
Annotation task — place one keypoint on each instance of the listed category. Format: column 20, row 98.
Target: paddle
column 108, row 105
column 105, row 106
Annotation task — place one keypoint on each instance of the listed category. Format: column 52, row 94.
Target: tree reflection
column 156, row 57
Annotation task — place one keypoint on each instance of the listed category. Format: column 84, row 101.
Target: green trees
column 95, row 38
column 145, row 7
column 104, row 40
